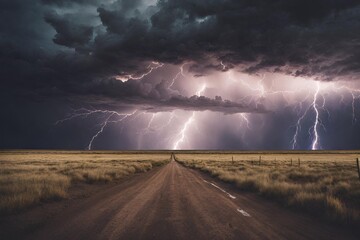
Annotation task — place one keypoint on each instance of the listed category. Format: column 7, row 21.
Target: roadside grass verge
column 325, row 188
column 27, row 179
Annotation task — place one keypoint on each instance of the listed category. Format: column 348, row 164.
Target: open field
column 326, row 184
column 28, row 177
column 173, row 201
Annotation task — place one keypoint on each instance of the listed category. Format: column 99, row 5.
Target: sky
column 180, row 74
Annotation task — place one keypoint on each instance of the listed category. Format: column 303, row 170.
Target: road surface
column 174, row 202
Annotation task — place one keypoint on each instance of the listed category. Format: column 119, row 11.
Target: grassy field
column 326, row 184
column 29, row 177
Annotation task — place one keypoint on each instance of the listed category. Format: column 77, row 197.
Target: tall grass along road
column 324, row 185
column 30, row 177
column 174, row 202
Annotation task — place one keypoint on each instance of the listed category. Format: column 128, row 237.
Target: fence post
column 259, row 160
column 358, row 167
column 291, row 162
column 232, row 159
column 299, row 161
column 275, row 163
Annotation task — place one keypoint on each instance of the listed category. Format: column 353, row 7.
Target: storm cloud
column 317, row 39
column 99, row 53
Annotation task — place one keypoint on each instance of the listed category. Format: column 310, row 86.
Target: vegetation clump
column 328, row 188
column 27, row 178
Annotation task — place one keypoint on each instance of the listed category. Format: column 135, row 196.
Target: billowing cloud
column 80, row 52
column 315, row 38
column 156, row 98
column 301, row 38
column 120, row 38
column 68, row 33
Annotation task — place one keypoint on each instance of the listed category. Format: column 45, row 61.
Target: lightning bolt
column 260, row 88
column 317, row 105
column 83, row 112
column 151, row 67
column 261, row 93
column 181, row 72
column 298, row 123
column 316, row 144
column 172, row 115
column 314, row 129
column 244, row 118
column 223, row 66
column 353, row 108
column 310, row 110
column 100, row 131
column 145, row 130
column 105, row 123
column 182, row 133
column 148, row 127
column 355, row 94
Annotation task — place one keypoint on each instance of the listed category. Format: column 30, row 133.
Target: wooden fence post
column 299, row 161
column 358, row 167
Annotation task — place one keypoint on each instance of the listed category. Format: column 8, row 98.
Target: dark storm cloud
column 115, row 94
column 69, row 34
column 317, row 38
column 202, row 103
column 193, row 103
column 69, row 2
column 308, row 38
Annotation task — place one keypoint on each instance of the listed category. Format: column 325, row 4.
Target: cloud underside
column 75, row 48
column 302, row 38
column 193, row 103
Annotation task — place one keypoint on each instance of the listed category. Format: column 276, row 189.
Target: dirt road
column 174, row 202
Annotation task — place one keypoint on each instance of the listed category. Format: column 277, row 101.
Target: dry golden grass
column 28, row 177
column 325, row 185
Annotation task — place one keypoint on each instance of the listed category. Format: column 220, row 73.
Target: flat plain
column 325, row 184
column 179, row 194
column 29, row 177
